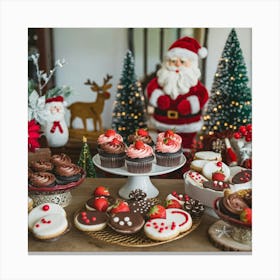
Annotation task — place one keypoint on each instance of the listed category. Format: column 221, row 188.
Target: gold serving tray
column 138, row 239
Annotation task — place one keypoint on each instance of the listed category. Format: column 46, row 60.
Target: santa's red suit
column 182, row 112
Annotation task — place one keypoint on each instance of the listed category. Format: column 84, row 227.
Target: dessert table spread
column 75, row 241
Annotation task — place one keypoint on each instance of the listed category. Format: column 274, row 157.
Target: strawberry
column 101, row 191
column 168, row 141
column 172, row 203
column 218, row 176
column 120, row 206
column 110, row 132
column 157, row 211
column 139, row 145
column 115, row 141
column 246, row 216
column 100, row 203
column 142, row 132
column 169, row 133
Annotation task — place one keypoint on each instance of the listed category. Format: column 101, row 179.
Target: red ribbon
column 55, row 125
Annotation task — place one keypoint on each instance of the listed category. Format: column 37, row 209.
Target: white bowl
column 207, row 196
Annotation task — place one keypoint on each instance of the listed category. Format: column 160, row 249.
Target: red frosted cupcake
column 169, row 134
column 112, row 154
column 168, row 152
column 139, row 157
column 108, row 136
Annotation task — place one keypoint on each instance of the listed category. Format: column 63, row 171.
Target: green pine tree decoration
column 85, row 160
column 129, row 112
column 229, row 105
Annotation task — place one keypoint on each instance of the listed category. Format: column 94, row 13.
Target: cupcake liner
column 139, row 167
column 168, row 160
column 112, row 161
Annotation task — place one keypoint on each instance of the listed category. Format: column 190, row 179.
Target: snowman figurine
column 55, row 129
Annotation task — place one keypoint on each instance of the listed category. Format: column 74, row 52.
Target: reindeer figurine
column 92, row 110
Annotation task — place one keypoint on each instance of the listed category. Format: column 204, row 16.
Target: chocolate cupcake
column 142, row 135
column 60, row 159
column 41, row 166
column 232, row 205
column 42, row 180
column 67, row 173
column 112, row 154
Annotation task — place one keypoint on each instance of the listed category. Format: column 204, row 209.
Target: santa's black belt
column 172, row 114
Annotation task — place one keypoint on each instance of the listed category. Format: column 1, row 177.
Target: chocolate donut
column 41, row 166
column 42, row 179
column 60, row 159
column 215, row 185
column 67, row 173
column 241, row 177
column 126, row 222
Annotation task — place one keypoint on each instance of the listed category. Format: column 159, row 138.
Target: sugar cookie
column 214, row 166
column 208, row 155
column 195, row 178
column 198, row 164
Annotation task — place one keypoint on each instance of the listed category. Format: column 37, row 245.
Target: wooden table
column 77, row 241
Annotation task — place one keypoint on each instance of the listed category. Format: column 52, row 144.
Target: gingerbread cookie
column 195, row 178
column 215, row 166
column 50, row 226
column 126, row 222
column 91, row 220
column 42, row 210
column 208, row 155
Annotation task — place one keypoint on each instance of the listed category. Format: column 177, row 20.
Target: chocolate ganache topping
column 60, row 159
column 41, row 165
column 42, row 179
column 234, row 203
column 67, row 170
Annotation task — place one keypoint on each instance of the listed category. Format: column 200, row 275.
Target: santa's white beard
column 174, row 83
column 54, row 114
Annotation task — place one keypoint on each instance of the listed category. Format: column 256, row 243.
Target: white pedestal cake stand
column 139, row 181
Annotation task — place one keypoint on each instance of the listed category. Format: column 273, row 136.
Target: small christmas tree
column 85, row 160
column 230, row 101
column 129, row 111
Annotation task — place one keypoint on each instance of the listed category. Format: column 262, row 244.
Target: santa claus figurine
column 55, row 129
column 177, row 95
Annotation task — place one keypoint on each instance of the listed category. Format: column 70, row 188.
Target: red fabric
column 33, row 135
column 163, row 102
column 55, row 99
column 199, row 90
column 187, row 43
column 184, row 107
column 56, row 124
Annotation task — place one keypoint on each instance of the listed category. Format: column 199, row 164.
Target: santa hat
column 186, row 47
column 55, row 99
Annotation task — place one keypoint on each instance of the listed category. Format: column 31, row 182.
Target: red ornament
column 237, row 135
column 242, row 129
column 46, row 207
column 33, row 135
column 249, row 127
column 219, row 164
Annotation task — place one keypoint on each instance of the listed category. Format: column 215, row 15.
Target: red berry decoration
column 139, row 145
column 169, row 133
column 246, row 216
column 101, row 191
column 120, row 206
column 168, row 141
column 172, row 203
column 110, row 132
column 115, row 142
column 218, row 176
column 46, row 207
column 157, row 211
column 219, row 164
column 142, row 132
column 237, row 135
column 100, row 204
column 242, row 129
